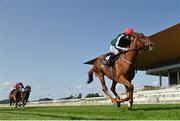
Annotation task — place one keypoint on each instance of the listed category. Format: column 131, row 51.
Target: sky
column 44, row 43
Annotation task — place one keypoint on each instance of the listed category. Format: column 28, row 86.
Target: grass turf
column 139, row 112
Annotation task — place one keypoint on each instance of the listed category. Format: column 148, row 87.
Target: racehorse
column 15, row 97
column 122, row 70
column 25, row 95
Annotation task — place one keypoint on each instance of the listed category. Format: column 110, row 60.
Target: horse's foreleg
column 16, row 103
column 131, row 99
column 104, row 87
column 113, row 89
column 129, row 89
column 130, row 94
column 113, row 86
column 24, row 103
column 10, row 102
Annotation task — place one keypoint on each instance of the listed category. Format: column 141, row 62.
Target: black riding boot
column 110, row 60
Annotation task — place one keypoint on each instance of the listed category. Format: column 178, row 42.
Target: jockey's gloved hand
column 125, row 49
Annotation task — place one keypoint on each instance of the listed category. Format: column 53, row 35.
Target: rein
column 135, row 49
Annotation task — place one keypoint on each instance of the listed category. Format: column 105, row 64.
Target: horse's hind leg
column 16, row 102
column 24, row 103
column 10, row 103
column 104, row 87
column 113, row 89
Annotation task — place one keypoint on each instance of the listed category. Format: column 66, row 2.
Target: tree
column 45, row 99
column 79, row 96
column 92, row 95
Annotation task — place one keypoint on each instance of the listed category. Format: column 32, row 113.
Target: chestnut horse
column 122, row 70
column 15, row 97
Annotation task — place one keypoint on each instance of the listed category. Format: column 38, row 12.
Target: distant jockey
column 19, row 86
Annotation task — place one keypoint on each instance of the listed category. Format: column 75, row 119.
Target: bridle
column 145, row 46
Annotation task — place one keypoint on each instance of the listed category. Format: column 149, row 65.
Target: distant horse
column 25, row 95
column 123, row 69
column 15, row 97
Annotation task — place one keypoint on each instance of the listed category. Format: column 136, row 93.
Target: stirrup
column 106, row 62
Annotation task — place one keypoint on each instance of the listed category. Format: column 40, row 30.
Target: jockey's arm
column 121, row 48
column 117, row 43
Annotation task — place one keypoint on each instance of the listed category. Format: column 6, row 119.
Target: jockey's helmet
column 17, row 86
column 128, row 31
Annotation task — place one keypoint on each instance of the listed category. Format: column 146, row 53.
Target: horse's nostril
column 152, row 45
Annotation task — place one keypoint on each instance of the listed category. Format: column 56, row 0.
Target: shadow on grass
column 155, row 108
column 50, row 116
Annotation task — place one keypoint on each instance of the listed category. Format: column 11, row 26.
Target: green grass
column 139, row 112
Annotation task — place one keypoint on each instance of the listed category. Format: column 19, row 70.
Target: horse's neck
column 131, row 55
column 16, row 90
column 27, row 93
column 27, row 89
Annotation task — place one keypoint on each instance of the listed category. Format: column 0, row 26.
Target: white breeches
column 114, row 50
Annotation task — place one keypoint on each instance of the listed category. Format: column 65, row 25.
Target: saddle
column 91, row 62
column 110, row 58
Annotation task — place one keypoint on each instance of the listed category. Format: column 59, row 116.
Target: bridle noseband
column 139, row 38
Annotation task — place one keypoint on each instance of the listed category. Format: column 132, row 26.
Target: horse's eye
column 132, row 38
column 141, row 35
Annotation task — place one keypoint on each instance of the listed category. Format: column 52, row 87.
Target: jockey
column 120, row 44
column 19, row 86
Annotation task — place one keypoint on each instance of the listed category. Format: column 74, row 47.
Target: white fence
column 157, row 97
column 73, row 102
column 168, row 95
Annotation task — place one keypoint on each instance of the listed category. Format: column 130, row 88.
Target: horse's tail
column 90, row 76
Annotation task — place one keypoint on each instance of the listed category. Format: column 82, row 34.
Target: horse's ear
column 135, row 39
column 141, row 35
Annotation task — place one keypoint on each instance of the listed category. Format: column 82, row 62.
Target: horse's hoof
column 129, row 108
column 118, row 105
column 114, row 101
column 118, row 100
